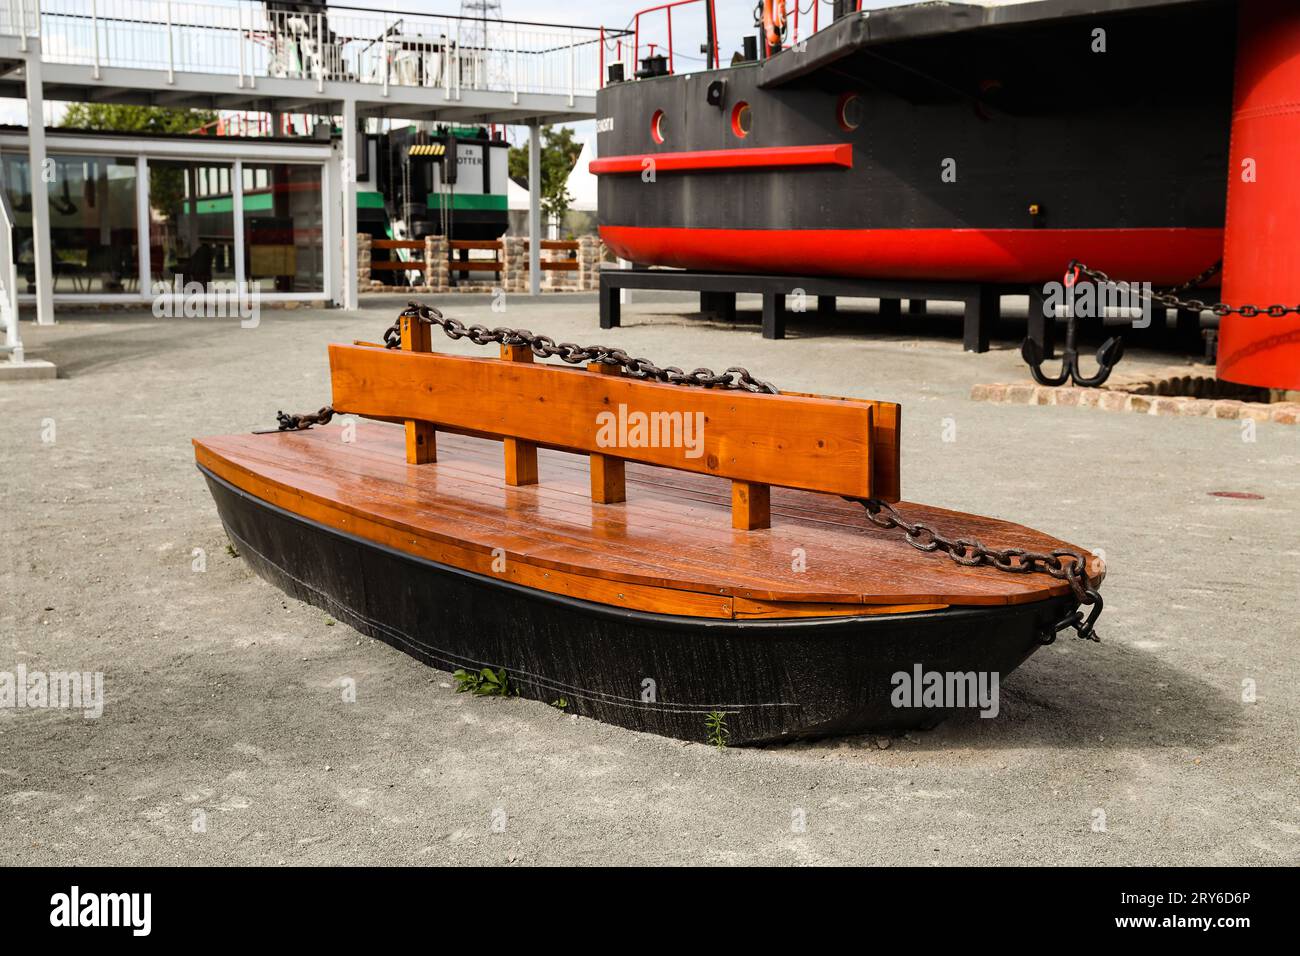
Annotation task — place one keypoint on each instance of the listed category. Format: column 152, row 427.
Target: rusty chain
column 1062, row 564
column 544, row 346
column 1171, row 298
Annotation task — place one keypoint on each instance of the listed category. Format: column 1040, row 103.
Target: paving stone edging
column 1283, row 413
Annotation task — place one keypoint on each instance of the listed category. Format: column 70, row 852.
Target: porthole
column 849, row 112
column 742, row 118
column 657, row 126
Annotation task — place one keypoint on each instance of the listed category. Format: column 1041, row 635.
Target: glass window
column 92, row 222
column 191, row 224
column 282, row 227
column 18, row 187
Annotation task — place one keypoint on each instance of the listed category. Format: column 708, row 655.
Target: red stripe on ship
column 1160, row 256
column 766, row 157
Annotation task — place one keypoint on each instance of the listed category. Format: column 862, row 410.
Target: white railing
column 9, row 281
column 247, row 41
column 19, row 18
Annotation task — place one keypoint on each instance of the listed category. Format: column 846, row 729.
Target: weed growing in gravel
column 484, row 683
column 560, row 703
column 230, row 550
column 715, row 723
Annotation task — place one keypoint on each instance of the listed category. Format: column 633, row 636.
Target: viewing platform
column 302, row 57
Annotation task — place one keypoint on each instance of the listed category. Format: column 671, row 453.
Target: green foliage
column 484, row 683
column 715, row 722
column 230, row 550
column 558, row 155
column 134, row 119
column 560, row 703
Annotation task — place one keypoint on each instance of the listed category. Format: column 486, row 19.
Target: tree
column 134, row 119
column 559, row 153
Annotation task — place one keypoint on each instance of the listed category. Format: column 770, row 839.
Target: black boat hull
column 774, row 679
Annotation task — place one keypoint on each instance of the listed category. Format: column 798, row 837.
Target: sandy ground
column 225, row 738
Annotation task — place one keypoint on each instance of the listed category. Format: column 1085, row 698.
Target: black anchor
column 1108, row 356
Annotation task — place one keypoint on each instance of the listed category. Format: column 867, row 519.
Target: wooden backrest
column 833, row 445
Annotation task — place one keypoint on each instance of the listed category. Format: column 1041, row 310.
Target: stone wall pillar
column 363, row 262
column 437, row 273
column 590, row 249
column 514, row 277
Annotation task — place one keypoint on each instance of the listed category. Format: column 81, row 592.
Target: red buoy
column 1261, row 253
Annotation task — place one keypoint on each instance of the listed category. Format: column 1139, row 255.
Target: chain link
column 293, row 423
column 1171, row 298
column 544, row 346
column 1062, row 564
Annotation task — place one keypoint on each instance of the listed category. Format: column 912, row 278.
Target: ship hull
column 994, row 155
column 980, row 255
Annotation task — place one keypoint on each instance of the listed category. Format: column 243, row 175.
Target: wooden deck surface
column 669, row 548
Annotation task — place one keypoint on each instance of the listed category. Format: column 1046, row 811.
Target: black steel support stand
column 981, row 300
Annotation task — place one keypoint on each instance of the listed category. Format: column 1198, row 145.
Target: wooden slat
column 559, row 265
column 751, row 506
column 474, row 244
column 887, row 443
column 520, row 456
column 608, row 473
column 421, row 438
column 747, row 609
column 787, row 441
column 397, row 244
column 563, row 245
column 391, row 266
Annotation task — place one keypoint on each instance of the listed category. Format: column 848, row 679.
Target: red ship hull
column 1161, row 255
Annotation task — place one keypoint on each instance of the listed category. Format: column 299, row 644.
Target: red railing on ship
column 668, row 12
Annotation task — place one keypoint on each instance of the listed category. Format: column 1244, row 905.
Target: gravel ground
column 225, row 739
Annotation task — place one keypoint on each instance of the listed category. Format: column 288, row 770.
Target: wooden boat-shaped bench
column 643, row 553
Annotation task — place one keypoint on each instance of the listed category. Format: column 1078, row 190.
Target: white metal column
column 142, row 219
column 331, row 214
column 41, row 249
column 534, row 210
column 237, row 197
column 349, row 178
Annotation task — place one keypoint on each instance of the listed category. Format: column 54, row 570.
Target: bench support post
column 751, row 506
column 421, row 438
column 521, row 456
column 608, row 474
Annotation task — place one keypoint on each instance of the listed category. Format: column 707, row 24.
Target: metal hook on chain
column 1085, row 628
column 1108, row 356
